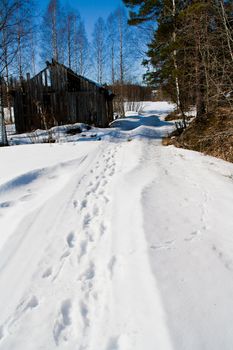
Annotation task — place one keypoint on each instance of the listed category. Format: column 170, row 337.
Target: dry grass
column 212, row 135
column 173, row 116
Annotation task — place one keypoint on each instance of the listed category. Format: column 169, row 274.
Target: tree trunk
column 3, row 135
column 177, row 83
column 200, row 93
column 199, row 75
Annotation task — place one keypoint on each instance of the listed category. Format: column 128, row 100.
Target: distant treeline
column 132, row 92
column 128, row 96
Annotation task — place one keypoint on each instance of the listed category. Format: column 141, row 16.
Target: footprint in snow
column 88, row 193
column 83, row 249
column 84, row 313
column 86, row 221
column 70, row 239
column 63, row 321
column 2, row 332
column 111, row 265
column 90, row 236
column 26, row 197
column 166, row 246
column 25, row 305
column 113, row 344
column 52, row 177
column 192, row 236
column 65, row 255
column 90, row 272
column 106, row 199
column 48, row 272
column 104, row 183
column 87, row 279
column 95, row 210
column 75, row 204
column 7, row 204
column 32, row 303
column 102, row 229
column 228, row 263
column 95, row 187
column 83, row 204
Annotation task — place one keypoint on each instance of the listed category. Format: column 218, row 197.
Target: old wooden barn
column 58, row 96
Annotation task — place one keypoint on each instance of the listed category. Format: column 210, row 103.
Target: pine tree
column 163, row 50
column 191, row 51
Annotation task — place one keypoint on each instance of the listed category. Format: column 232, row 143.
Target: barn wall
column 57, row 96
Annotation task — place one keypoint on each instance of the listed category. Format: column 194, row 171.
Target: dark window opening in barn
column 47, row 101
column 73, row 83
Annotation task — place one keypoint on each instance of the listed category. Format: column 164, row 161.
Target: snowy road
column 116, row 245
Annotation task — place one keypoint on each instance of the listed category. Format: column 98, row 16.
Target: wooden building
column 58, row 96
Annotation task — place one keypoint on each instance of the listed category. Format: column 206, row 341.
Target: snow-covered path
column 116, row 245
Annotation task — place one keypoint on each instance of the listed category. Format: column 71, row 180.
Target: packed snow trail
column 66, row 260
column 116, row 245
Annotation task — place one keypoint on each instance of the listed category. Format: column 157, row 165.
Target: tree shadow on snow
column 130, row 123
column 141, row 126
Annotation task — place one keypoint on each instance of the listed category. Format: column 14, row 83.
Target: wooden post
column 3, row 135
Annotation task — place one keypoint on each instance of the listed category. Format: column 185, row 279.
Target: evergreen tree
column 191, row 51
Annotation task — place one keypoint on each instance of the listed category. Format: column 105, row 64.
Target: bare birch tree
column 52, row 33
column 82, row 49
column 111, row 39
column 99, row 42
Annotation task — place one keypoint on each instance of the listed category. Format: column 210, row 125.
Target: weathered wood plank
column 57, row 96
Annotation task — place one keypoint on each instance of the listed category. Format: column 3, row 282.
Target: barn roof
column 70, row 71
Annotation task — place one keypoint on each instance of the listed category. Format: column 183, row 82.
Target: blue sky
column 89, row 10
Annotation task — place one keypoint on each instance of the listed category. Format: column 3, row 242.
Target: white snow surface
column 116, row 242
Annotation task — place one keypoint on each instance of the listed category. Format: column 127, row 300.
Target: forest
column 191, row 55
column 191, row 51
column 28, row 38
